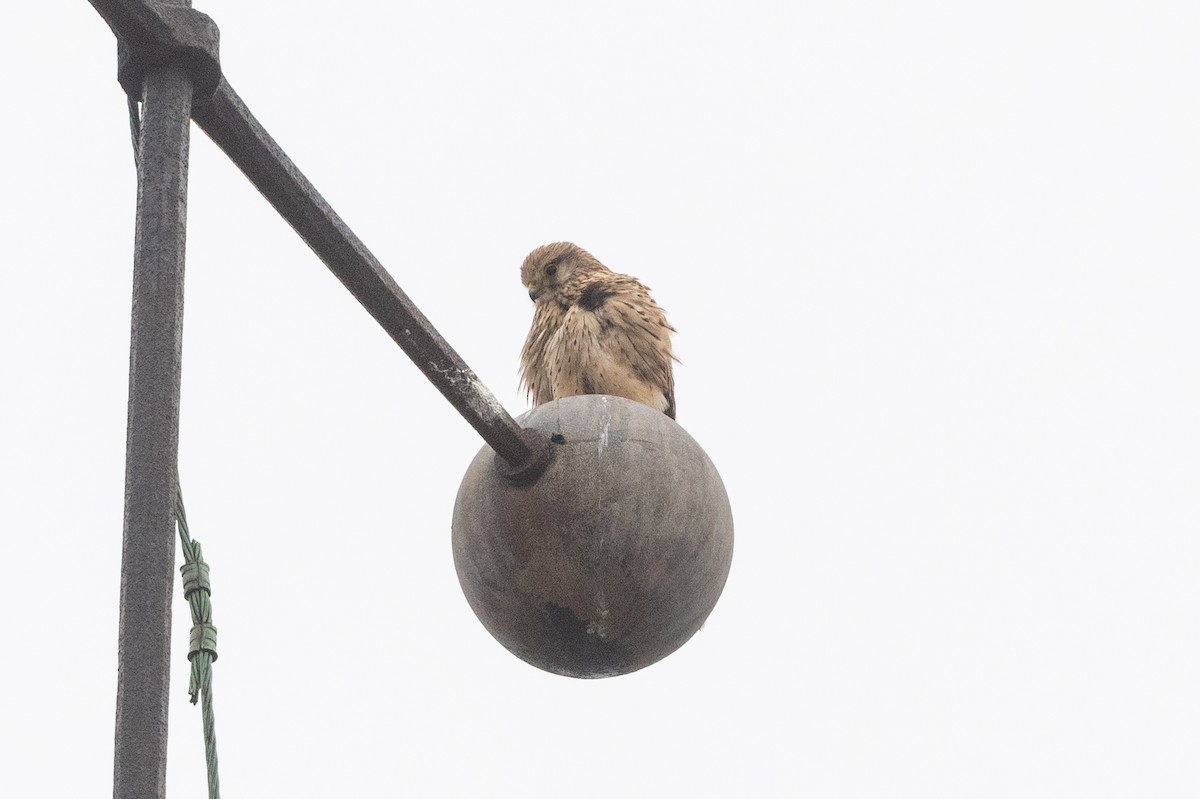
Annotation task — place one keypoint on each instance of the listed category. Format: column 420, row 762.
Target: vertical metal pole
column 148, row 545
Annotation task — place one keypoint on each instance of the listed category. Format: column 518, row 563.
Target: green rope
column 202, row 650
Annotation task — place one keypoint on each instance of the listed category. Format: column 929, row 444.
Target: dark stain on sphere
column 613, row 558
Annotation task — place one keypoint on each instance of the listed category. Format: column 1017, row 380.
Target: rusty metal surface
column 148, row 541
column 614, row 557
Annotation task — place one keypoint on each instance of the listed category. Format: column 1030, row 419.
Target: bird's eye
column 552, row 268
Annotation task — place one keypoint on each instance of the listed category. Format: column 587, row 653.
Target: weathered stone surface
column 613, row 558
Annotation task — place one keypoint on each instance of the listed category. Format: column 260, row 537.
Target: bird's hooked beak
column 533, row 293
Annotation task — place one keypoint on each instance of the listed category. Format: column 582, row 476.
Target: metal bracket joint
column 172, row 35
column 527, row 473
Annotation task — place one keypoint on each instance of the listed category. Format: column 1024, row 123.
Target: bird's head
column 553, row 269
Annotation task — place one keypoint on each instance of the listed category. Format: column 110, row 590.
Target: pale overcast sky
column 935, row 270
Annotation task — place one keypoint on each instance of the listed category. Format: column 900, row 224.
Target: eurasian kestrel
column 594, row 332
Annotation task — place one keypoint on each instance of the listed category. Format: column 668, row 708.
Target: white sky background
column 935, row 269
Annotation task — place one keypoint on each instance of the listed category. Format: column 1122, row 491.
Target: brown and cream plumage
column 594, row 332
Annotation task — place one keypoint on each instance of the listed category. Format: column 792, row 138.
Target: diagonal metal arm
column 229, row 123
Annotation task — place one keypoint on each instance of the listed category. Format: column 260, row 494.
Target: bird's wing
column 635, row 331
